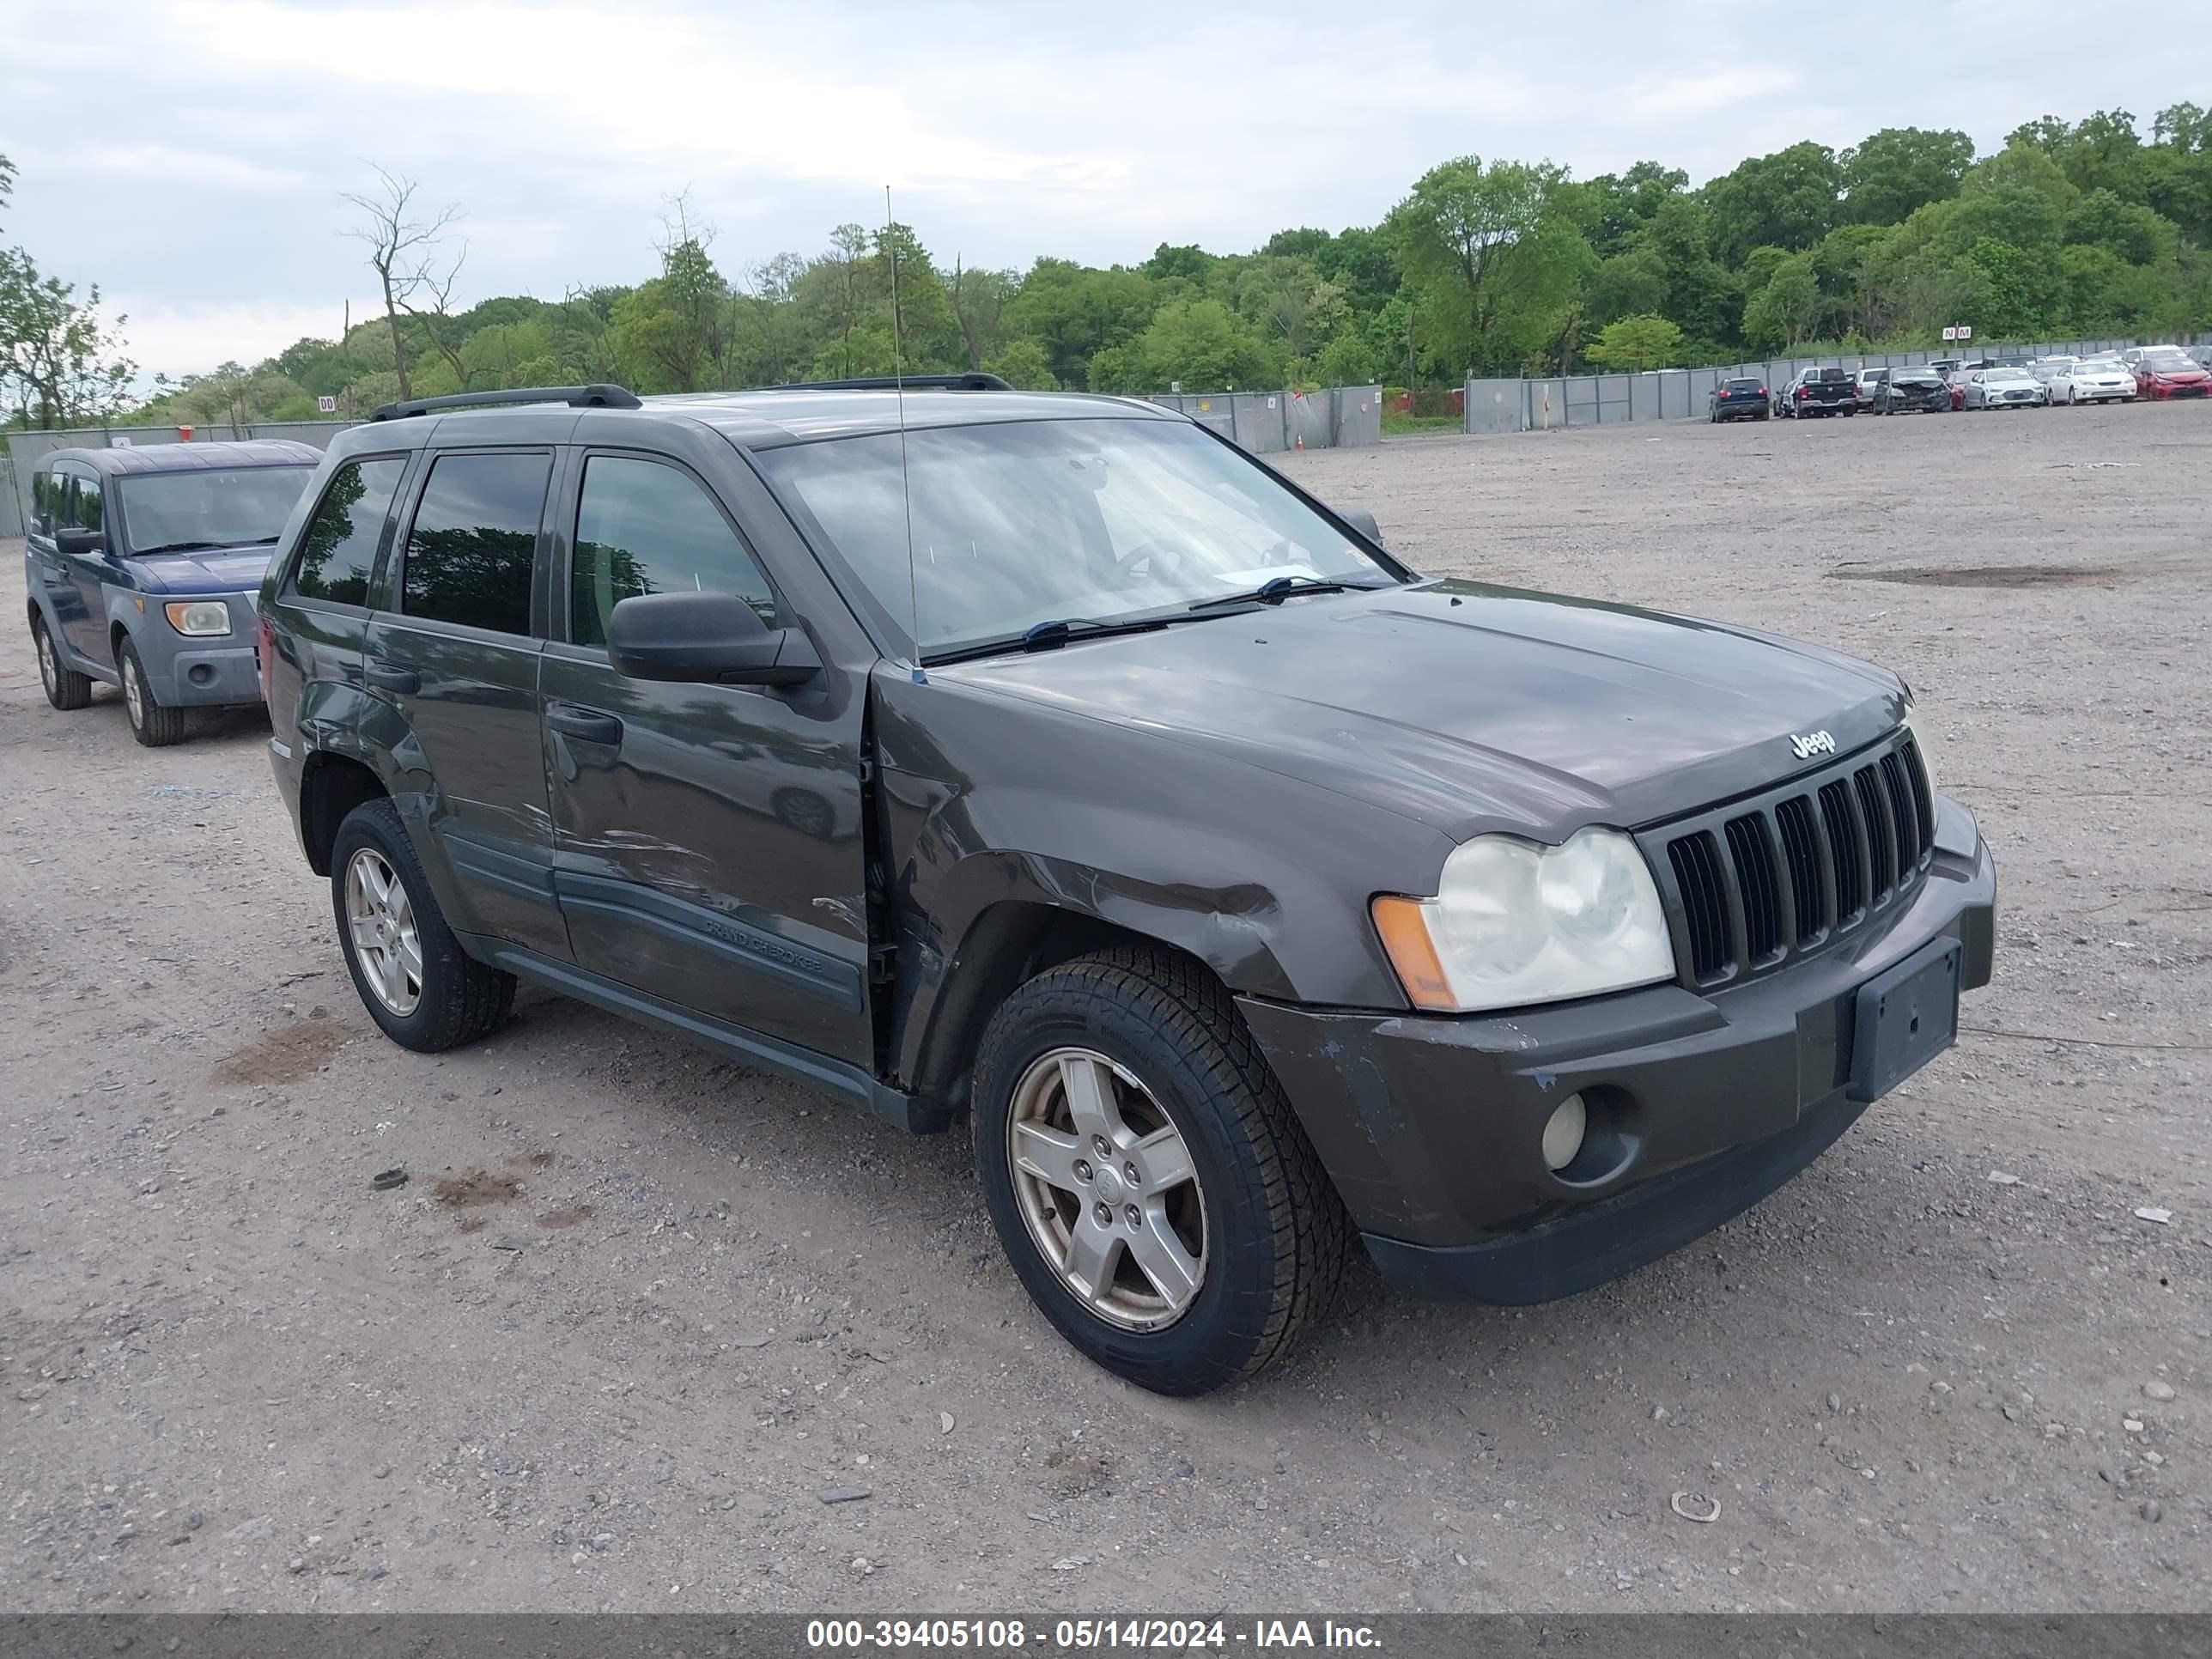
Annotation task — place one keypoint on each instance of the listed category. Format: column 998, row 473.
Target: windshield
column 184, row 512
column 2006, row 375
column 2168, row 361
column 1035, row 521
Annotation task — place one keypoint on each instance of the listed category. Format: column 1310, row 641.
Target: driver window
column 645, row 527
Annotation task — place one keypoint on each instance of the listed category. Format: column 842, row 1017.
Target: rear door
column 454, row 648
column 709, row 850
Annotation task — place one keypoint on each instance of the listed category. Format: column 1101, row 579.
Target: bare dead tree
column 402, row 241
column 435, row 287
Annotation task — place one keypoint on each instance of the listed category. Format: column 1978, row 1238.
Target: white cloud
column 174, row 340
column 1006, row 128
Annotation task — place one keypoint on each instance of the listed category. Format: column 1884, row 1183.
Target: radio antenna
column 898, row 390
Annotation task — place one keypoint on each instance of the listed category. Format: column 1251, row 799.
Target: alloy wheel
column 381, row 920
column 48, row 669
column 1108, row 1188
column 134, row 693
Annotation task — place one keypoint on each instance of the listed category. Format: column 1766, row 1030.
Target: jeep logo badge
column 1812, row 743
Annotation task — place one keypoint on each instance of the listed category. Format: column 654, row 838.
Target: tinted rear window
column 338, row 552
column 1745, row 385
column 475, row 535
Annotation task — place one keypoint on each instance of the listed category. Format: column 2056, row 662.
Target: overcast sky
column 189, row 155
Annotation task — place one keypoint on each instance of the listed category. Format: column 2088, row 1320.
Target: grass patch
column 1395, row 422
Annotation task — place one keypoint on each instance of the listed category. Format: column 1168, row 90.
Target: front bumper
column 1431, row 1126
column 195, row 671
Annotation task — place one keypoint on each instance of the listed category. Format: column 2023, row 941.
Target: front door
column 707, row 838
column 84, row 622
column 453, row 651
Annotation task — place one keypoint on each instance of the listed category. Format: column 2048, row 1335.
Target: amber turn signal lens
column 1405, row 934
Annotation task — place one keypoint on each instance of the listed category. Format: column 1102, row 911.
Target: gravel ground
column 639, row 1314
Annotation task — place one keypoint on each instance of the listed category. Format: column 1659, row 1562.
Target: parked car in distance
column 1565, row 933
column 2094, row 381
column 142, row 565
column 1909, row 390
column 1743, row 398
column 1864, row 383
column 1946, row 365
column 2006, row 388
column 1818, row 391
column 2047, row 369
column 2165, row 372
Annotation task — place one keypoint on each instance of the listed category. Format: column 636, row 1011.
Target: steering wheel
column 1147, row 559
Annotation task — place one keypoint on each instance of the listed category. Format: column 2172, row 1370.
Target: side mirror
column 706, row 638
column 1362, row 521
column 72, row 538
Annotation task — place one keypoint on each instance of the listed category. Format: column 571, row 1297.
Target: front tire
column 66, row 689
column 153, row 724
column 1147, row 1177
column 424, row 991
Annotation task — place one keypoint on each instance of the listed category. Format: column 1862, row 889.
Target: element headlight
column 198, row 616
column 1514, row 923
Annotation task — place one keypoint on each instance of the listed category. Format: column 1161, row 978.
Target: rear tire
column 1157, row 1039
column 66, row 689
column 153, row 724
column 439, row 996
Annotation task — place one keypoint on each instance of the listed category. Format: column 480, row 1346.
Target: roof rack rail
column 971, row 380
column 600, row 395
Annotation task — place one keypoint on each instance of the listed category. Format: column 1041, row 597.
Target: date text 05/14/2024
column 990, row 1635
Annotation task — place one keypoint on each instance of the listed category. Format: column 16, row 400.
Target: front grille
column 1757, row 884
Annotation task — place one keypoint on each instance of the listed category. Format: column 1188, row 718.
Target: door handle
column 589, row 724
column 390, row 677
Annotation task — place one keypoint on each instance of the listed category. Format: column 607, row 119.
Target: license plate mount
column 1903, row 1018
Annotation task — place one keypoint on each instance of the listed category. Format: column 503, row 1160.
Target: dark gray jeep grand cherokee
column 1048, row 760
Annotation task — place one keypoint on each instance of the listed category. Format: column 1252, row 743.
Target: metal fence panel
column 1614, row 395
column 1647, row 397
column 1261, row 422
column 1547, row 404
column 1359, row 415
column 11, row 510
column 1495, row 406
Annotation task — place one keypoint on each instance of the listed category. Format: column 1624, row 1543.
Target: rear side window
column 338, row 551
column 469, row 554
column 88, row 507
column 642, row 527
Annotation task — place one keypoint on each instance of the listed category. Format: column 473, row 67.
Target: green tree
column 1200, row 343
column 61, row 362
column 1782, row 314
column 1646, row 342
column 1787, row 200
column 1075, row 311
column 1900, row 169
column 1492, row 250
column 1022, row 363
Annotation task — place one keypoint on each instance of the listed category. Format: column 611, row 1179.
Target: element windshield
column 187, row 512
column 1028, row 522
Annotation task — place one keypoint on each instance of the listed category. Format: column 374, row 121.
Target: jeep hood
column 1470, row 707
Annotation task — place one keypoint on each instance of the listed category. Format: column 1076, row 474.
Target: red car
column 2169, row 372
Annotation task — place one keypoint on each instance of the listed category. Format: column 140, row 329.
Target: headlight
column 198, row 616
column 1514, row 923
column 1916, row 724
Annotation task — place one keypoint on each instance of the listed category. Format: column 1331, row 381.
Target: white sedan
column 2094, row 383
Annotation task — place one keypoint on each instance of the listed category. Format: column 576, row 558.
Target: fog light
column 1563, row 1132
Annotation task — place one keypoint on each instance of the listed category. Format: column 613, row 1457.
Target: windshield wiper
column 1050, row 636
column 1276, row 589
